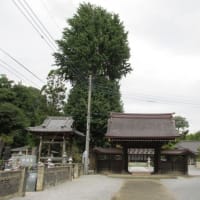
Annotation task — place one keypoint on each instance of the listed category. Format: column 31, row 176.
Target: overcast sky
column 164, row 38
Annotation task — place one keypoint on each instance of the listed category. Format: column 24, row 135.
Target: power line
column 147, row 98
column 23, row 66
column 154, row 99
column 49, row 13
column 40, row 22
column 35, row 27
column 15, row 72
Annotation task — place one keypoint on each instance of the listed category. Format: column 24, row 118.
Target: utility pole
column 87, row 140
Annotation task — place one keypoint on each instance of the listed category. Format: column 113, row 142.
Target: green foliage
column 12, row 123
column 20, row 106
column 32, row 103
column 95, row 43
column 105, row 98
column 11, row 118
column 194, row 137
column 4, row 82
column 181, row 123
column 77, row 155
column 55, row 91
column 169, row 145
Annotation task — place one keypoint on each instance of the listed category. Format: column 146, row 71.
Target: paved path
column 184, row 188
column 143, row 190
column 91, row 187
column 99, row 187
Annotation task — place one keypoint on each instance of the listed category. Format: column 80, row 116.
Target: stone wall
column 48, row 177
column 56, row 175
column 77, row 170
column 12, row 183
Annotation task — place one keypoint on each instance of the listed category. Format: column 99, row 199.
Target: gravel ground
column 91, row 187
column 184, row 188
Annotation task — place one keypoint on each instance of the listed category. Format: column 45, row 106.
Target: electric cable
column 16, row 72
column 33, row 25
column 22, row 65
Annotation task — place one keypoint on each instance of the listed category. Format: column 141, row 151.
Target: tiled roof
column 192, row 146
column 56, row 125
column 121, row 125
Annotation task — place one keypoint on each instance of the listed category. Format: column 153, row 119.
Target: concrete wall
column 12, row 184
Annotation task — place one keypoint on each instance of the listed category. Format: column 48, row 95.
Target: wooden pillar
column 157, row 160
column 40, row 149
column 185, row 164
column 70, row 145
column 49, row 149
column 125, row 158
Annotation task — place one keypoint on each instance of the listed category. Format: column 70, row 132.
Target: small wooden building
column 191, row 146
column 111, row 160
column 174, row 161
column 54, row 130
column 141, row 131
column 108, row 159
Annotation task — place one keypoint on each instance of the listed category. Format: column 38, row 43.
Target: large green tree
column 94, row 43
column 20, row 106
column 181, row 124
column 55, row 92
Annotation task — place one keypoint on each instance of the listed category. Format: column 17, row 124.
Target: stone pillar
column 40, row 178
column 157, row 160
column 125, row 158
column 40, row 149
column 22, row 188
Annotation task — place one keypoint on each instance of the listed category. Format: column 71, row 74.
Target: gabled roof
column 121, row 125
column 192, row 146
column 55, row 124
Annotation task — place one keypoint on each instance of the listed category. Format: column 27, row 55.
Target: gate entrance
column 140, row 160
column 141, row 131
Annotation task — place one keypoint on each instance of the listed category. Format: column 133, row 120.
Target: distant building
column 192, row 146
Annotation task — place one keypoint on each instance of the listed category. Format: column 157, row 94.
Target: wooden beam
column 52, row 142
